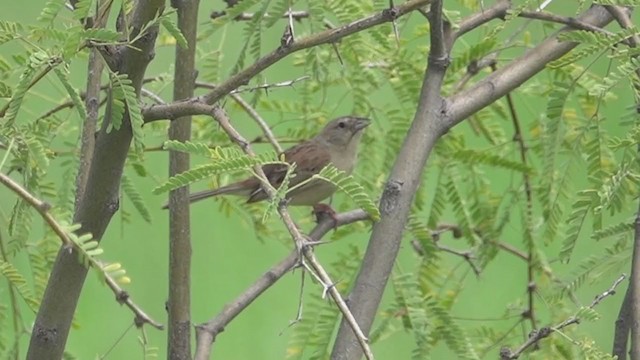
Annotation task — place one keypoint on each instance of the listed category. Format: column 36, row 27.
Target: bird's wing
column 310, row 157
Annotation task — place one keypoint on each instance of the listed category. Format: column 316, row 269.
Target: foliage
column 566, row 199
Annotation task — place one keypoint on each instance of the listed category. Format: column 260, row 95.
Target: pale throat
column 344, row 157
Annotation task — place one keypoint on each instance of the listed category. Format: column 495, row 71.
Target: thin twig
column 537, row 335
column 153, row 96
column 518, row 137
column 512, row 250
column 265, row 86
column 43, row 209
column 253, row 113
column 296, row 15
column 258, row 119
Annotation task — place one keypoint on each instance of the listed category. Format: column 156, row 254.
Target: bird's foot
column 322, row 210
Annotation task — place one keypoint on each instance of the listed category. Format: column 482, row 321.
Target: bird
column 336, row 144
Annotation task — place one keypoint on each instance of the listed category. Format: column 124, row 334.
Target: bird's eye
column 341, row 125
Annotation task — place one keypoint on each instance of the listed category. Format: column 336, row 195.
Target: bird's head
column 343, row 130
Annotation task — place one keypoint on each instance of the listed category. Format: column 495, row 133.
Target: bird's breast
column 344, row 160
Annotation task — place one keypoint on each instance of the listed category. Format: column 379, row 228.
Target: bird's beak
column 361, row 123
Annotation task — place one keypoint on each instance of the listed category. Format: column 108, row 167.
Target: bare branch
column 179, row 301
column 537, row 335
column 296, row 15
column 194, row 106
column 515, row 73
column 258, row 119
column 398, row 194
column 499, row 11
column 518, row 137
column 100, row 199
column 43, row 209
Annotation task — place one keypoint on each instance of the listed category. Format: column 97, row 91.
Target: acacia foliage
column 580, row 165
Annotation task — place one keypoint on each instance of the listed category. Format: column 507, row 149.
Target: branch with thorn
column 206, row 332
column 302, row 242
column 466, row 255
column 122, row 297
column 199, row 105
column 537, row 335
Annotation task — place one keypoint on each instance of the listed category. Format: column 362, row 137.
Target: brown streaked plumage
column 337, row 144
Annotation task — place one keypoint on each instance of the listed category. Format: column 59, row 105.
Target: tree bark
column 97, row 204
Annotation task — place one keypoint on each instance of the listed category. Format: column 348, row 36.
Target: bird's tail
column 200, row 195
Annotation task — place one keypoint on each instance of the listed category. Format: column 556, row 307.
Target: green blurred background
column 227, row 256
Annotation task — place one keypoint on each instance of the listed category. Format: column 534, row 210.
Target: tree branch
column 68, row 245
column 518, row 137
column 259, row 120
column 622, row 327
column 398, row 195
column 499, row 11
column 537, row 335
column 206, row 333
column 433, row 117
column 194, row 106
column 509, row 77
column 631, row 303
column 299, row 239
column 100, row 199
column 179, row 303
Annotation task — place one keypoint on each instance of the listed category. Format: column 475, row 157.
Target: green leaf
column 63, row 76
column 17, row 281
column 587, row 313
column 102, row 35
column 348, row 185
column 9, row 31
column 50, row 11
column 5, row 90
column 35, row 61
column 280, row 193
column 136, row 199
column 580, row 209
column 188, row 147
column 223, row 165
column 470, row 156
column 124, row 93
column 171, row 27
column 82, row 8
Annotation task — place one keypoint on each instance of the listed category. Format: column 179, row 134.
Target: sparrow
column 336, row 144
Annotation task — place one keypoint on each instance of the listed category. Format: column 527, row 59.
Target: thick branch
column 193, row 106
column 398, row 196
column 99, row 201
column 623, row 327
column 433, row 117
column 514, row 74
